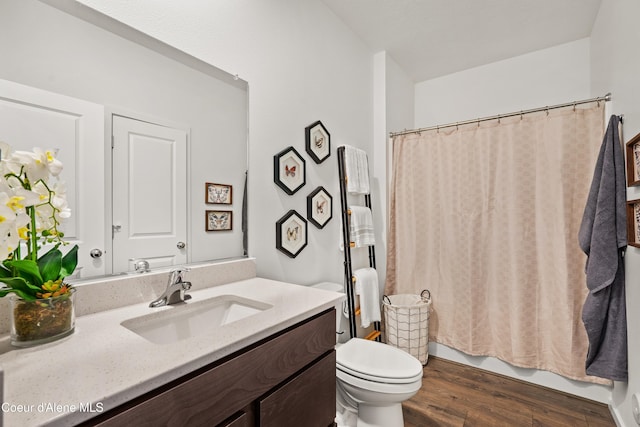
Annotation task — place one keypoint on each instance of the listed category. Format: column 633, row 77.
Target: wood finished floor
column 457, row 395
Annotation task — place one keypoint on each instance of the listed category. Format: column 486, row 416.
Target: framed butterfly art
column 218, row 220
column 289, row 170
column 218, row 193
column 291, row 234
column 317, row 142
column 319, row 207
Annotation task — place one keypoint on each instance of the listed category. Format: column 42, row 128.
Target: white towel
column 357, row 170
column 360, row 227
column 367, row 289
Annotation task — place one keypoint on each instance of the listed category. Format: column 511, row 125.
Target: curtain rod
column 605, row 98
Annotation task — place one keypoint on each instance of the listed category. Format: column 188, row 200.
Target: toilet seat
column 385, row 388
column 377, row 362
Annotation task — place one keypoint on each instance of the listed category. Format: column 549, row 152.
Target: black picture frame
column 319, row 207
column 289, row 172
column 317, row 142
column 291, row 234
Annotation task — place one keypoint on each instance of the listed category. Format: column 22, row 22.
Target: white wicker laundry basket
column 406, row 323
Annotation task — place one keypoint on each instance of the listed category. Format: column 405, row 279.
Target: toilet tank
column 342, row 324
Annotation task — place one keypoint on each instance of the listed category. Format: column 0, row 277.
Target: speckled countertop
column 103, row 364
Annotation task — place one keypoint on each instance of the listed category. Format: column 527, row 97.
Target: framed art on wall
column 633, row 223
column 317, row 142
column 218, row 193
column 218, row 220
column 633, row 161
column 319, row 207
column 291, row 234
column 289, row 170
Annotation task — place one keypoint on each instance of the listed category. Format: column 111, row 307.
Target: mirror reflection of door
column 150, row 207
column 31, row 117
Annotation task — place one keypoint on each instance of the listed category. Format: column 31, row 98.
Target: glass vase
column 43, row 320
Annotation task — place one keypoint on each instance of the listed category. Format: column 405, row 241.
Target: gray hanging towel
column 603, row 237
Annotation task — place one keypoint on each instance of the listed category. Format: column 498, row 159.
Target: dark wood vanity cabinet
column 287, row 379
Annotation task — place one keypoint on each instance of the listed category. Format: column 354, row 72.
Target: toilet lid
column 372, row 360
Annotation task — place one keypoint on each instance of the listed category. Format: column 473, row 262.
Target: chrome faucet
column 176, row 289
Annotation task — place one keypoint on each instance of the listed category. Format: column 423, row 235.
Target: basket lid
column 375, row 359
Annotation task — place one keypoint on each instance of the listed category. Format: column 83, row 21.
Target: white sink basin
column 190, row 319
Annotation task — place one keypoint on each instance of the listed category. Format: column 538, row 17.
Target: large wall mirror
column 153, row 141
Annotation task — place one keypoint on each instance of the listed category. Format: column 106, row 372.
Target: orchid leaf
column 21, row 287
column 69, row 262
column 26, row 269
column 50, row 265
column 5, row 272
column 23, row 295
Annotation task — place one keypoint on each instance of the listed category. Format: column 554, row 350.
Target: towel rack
column 348, row 245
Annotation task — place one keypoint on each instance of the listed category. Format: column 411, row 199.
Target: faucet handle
column 175, row 275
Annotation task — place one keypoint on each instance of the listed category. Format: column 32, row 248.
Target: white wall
column 615, row 67
column 302, row 65
column 551, row 76
column 393, row 105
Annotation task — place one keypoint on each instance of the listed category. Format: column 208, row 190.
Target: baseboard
column 597, row 392
column 615, row 414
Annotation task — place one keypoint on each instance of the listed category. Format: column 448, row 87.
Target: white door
column 149, row 177
column 31, row 117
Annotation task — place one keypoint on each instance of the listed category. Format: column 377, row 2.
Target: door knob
column 95, row 253
column 181, row 245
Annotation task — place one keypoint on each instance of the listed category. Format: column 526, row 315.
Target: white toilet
column 373, row 379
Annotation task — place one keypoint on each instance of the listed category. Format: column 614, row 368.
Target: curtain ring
column 456, row 126
column 437, row 129
column 521, row 115
column 574, row 107
column 498, row 119
column 478, row 123
column 547, row 110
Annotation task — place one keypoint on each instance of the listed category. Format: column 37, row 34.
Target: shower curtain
column 486, row 217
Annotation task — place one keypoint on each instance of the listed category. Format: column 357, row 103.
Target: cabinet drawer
column 240, row 420
column 306, row 400
column 215, row 392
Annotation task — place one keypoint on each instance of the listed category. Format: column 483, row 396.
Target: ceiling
column 432, row 38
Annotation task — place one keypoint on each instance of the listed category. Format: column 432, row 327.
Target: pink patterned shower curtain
column 486, row 217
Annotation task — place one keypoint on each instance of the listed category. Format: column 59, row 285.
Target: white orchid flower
column 42, row 191
column 13, row 228
column 48, row 157
column 21, row 199
column 7, row 215
column 30, row 163
column 38, row 164
column 8, row 243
